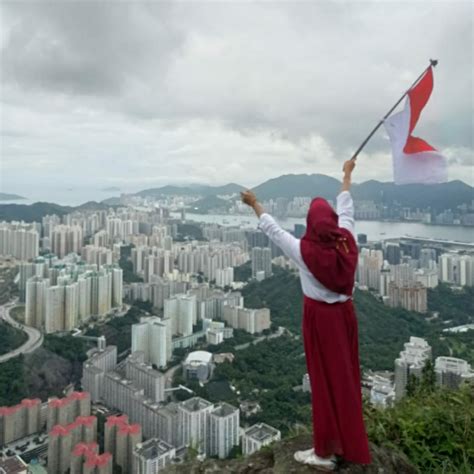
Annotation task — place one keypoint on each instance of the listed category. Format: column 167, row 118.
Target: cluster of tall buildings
column 402, row 272
column 137, row 391
column 457, row 269
column 208, row 259
column 20, row 420
column 61, row 297
column 200, row 311
column 19, row 240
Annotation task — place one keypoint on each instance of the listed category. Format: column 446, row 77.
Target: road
column 35, row 338
column 281, row 330
column 169, row 374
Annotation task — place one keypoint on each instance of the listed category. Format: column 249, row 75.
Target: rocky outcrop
column 278, row 459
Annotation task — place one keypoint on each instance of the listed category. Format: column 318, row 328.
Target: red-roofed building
column 64, row 440
column 20, row 420
column 81, row 452
column 99, row 464
column 63, row 411
column 120, row 440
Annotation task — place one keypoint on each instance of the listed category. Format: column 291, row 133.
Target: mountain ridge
column 435, row 196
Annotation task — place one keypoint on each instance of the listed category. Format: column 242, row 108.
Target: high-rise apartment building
column 250, row 320
column 121, row 438
column 412, row 297
column 411, row 362
column 141, row 374
column 94, row 369
column 193, row 423
column 182, row 312
column 452, row 372
column 224, row 423
column 261, row 261
column 152, row 336
column 457, row 269
column 66, row 239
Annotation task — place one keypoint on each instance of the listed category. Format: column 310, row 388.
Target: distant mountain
column 193, row 190
column 32, row 212
column 292, row 185
column 210, row 204
column 437, row 196
column 10, row 197
column 35, row 212
column 113, row 201
column 93, row 206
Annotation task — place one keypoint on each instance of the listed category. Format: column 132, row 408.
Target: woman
column 327, row 258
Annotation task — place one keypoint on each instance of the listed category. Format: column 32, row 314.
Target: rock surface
column 278, row 459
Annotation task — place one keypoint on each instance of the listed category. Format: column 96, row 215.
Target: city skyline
column 151, row 94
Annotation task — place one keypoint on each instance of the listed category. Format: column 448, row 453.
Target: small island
column 111, row 189
column 11, row 197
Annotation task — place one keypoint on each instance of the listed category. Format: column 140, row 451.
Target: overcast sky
column 138, row 94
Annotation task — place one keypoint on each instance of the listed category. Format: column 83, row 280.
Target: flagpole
column 433, row 62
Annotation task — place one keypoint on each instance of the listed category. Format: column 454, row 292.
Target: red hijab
column 329, row 251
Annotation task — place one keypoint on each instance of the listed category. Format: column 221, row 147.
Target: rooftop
column 12, row 465
column 199, row 356
column 261, row 432
column 224, row 409
column 196, row 404
column 153, row 448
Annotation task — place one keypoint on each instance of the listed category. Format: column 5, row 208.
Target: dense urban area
column 134, row 336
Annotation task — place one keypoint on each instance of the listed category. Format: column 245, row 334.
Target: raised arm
column 288, row 243
column 348, row 168
column 345, row 204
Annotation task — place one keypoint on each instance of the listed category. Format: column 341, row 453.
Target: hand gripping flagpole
column 433, row 63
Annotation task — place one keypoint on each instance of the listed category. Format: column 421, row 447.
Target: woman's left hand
column 248, row 197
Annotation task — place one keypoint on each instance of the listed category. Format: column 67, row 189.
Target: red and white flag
column 414, row 160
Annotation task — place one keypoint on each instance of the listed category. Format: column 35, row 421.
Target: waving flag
column 414, row 160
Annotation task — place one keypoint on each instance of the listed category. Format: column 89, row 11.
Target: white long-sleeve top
column 290, row 246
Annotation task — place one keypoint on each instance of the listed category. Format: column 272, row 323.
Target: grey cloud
column 86, row 47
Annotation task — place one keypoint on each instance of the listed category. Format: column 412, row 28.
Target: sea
column 375, row 230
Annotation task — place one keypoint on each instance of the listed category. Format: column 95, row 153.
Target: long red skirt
column 332, row 356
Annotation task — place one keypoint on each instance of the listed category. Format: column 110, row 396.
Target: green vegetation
column 456, row 306
column 258, row 374
column 118, row 330
column 243, row 273
column 68, row 347
column 189, row 232
column 382, row 330
column 433, row 427
column 12, row 382
column 8, row 288
column 18, row 313
column 126, row 265
column 10, row 338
